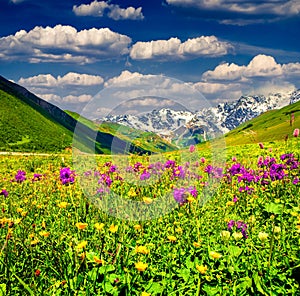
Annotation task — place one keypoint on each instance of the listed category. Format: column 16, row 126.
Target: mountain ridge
column 206, row 123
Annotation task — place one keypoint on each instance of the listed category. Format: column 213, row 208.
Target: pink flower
column 296, row 132
column 261, row 145
column 202, row 159
column 192, row 148
column 233, row 159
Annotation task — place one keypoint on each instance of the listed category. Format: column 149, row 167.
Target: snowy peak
column 208, row 122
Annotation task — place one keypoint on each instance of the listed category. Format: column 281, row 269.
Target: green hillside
column 22, row 128
column 144, row 140
column 270, row 126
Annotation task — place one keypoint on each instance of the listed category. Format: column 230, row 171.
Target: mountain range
column 186, row 127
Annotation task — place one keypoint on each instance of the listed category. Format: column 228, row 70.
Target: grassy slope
column 271, row 126
column 22, row 128
column 145, row 140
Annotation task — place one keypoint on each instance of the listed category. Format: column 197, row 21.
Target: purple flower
column 261, row 145
column 179, row 172
column 170, row 164
column 112, row 169
column 193, row 191
column 4, row 193
column 37, row 177
column 180, row 195
column 296, row 181
column 67, row 176
column 20, row 176
column 235, row 199
column 145, row 175
column 230, row 224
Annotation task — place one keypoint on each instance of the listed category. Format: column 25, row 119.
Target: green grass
column 270, row 126
column 22, row 128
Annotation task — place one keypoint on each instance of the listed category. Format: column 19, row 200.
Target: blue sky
column 67, row 51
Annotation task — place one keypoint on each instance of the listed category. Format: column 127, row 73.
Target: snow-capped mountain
column 205, row 123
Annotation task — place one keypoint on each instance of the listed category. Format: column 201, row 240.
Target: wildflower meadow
column 214, row 230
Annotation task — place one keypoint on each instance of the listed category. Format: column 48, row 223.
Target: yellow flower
column 237, row 235
column 44, row 233
column 81, row 226
column 145, row 294
column 277, row 229
column 140, row 266
column 196, row 244
column 31, row 235
column 82, row 245
column 262, row 236
column 178, row 229
column 113, row 228
column 18, row 221
column 215, row 255
column 19, row 210
column 225, row 234
column 142, row 250
column 172, row 238
column 99, row 226
column 24, row 213
column 190, row 199
column 44, row 224
column 131, row 192
column 147, row 200
column 34, row 242
column 230, row 203
column 63, row 204
column 97, row 260
column 202, row 269
column 137, row 227
column 180, row 214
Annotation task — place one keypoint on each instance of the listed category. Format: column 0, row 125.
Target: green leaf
column 3, row 290
column 259, row 284
column 154, row 288
column 185, row 274
column 211, row 291
column 25, row 285
column 235, row 251
column 274, row 208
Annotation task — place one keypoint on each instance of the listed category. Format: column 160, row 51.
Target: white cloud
column 129, row 13
column 174, row 48
column 69, row 79
column 260, row 66
column 95, row 8
column 132, row 90
column 64, row 101
column 98, row 8
column 262, row 75
column 64, row 44
column 77, row 99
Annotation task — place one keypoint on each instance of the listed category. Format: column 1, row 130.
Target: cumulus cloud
column 69, row 79
column 251, row 10
column 173, row 48
column 260, row 66
column 262, row 75
column 64, row 44
column 114, row 11
column 137, row 91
